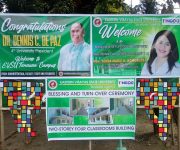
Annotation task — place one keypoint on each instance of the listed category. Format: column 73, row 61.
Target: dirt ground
column 144, row 140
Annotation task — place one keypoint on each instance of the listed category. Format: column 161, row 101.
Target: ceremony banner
column 123, row 44
column 90, row 108
column 31, row 44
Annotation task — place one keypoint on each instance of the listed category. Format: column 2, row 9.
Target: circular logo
column 52, row 84
column 97, row 22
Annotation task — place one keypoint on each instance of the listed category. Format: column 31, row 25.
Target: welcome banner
column 123, row 44
column 91, row 108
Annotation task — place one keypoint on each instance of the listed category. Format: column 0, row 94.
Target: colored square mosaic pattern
column 21, row 95
column 160, row 92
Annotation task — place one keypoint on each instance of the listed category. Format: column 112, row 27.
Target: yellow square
column 169, row 116
column 160, row 97
column 37, row 102
column 5, row 89
column 165, row 102
column 160, row 125
column 142, row 94
column 10, row 97
column 173, row 102
column 150, row 84
column 19, row 89
column 155, row 84
column 160, row 134
column 23, row 107
column 138, row 102
column 23, row 123
column 32, row 89
column 19, row 116
column 15, row 112
column 29, row 129
column 37, row 98
column 29, row 102
column 169, row 94
column 155, row 89
column 146, row 97
column 165, row 129
column 24, row 98
column 151, row 111
column 142, row 89
column 19, row 84
column 146, row 103
column 5, row 94
column 10, row 102
column 174, row 97
column 15, row 84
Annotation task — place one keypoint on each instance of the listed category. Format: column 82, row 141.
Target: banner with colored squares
column 23, row 97
column 159, row 96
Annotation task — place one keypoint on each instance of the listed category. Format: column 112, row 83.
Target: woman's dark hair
column 173, row 56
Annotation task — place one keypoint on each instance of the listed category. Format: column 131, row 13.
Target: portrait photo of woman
column 164, row 56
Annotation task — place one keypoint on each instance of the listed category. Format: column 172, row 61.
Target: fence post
column 1, row 123
column 179, row 124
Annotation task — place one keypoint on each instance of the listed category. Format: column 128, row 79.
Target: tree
column 1, row 5
column 146, row 7
column 40, row 6
column 111, row 7
column 169, row 9
column 176, row 1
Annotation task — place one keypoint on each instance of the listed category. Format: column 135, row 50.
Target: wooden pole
column 1, row 123
column 179, row 124
column 90, row 145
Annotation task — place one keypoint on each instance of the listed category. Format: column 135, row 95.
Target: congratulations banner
column 32, row 45
column 136, row 45
column 91, row 108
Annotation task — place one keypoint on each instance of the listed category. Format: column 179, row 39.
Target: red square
column 37, row 107
column 41, row 94
column 22, row 129
column 142, row 80
column 160, row 102
column 146, row 107
column 33, row 133
column 19, row 121
column 15, row 94
column 155, row 121
column 161, row 130
column 169, row 106
column 24, row 102
column 19, row 93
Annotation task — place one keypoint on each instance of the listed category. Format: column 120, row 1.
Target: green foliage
column 176, row 1
column 146, row 7
column 85, row 7
column 169, row 9
column 39, row 6
column 111, row 7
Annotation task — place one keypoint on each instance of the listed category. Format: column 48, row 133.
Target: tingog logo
column 170, row 21
column 126, row 83
column 52, row 84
